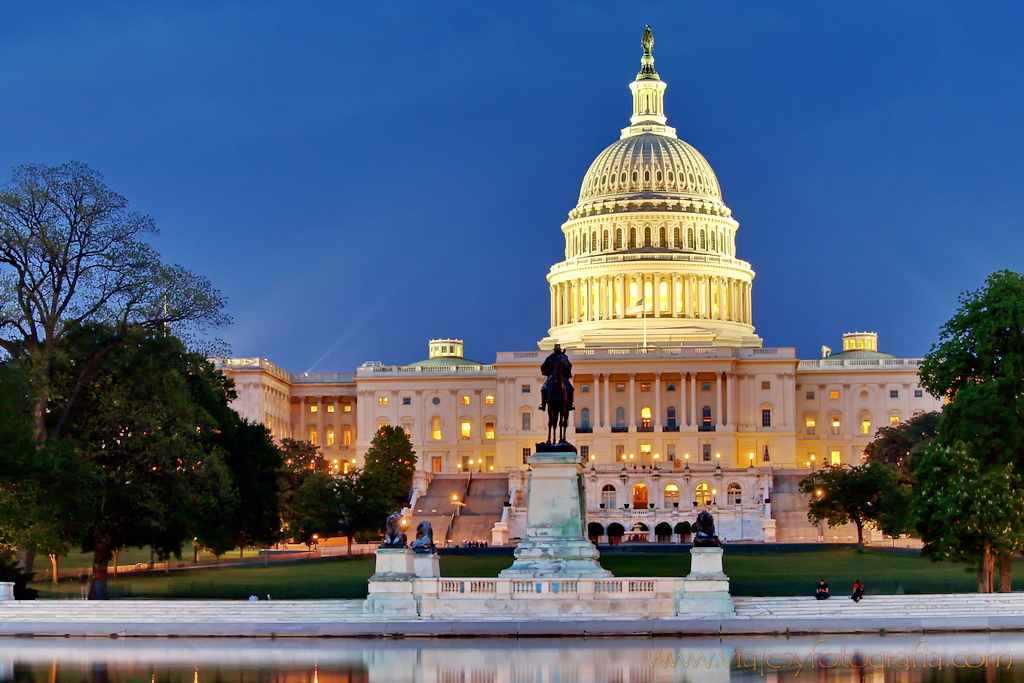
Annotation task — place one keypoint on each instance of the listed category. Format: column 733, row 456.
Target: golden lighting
column 718, row 455
column 656, row 456
column 455, row 496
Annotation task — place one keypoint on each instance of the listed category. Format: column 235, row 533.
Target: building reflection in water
column 903, row 658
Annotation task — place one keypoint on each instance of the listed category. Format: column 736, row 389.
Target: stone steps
column 181, row 610
column 889, row 606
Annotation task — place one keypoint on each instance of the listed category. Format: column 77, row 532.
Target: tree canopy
column 844, row 494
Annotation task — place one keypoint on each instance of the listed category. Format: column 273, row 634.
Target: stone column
column 631, row 420
column 606, row 416
column 691, row 415
column 719, row 418
column 657, row 402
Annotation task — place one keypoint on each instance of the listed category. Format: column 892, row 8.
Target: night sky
column 358, row 178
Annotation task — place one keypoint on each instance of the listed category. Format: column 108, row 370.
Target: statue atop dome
column 647, row 61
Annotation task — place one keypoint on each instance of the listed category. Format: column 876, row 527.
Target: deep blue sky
column 360, row 177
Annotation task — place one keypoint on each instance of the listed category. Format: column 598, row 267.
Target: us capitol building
column 679, row 406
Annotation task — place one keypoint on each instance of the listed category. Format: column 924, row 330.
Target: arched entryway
column 640, row 497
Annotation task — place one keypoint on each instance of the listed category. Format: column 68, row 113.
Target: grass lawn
column 780, row 573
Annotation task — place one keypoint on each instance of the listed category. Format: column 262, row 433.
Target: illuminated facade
column 679, row 407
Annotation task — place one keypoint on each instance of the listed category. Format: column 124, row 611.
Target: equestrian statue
column 557, row 394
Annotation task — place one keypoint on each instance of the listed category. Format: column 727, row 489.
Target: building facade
column 679, row 405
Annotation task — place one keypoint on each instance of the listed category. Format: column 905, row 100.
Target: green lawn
column 751, row 574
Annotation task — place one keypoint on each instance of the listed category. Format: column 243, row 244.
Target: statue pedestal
column 426, row 565
column 706, row 588
column 555, row 544
column 390, row 587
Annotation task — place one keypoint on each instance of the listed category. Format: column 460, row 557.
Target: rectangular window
column 347, row 408
column 836, row 457
column 809, row 395
column 865, row 426
column 489, row 400
column 330, row 408
column 489, row 430
column 435, row 463
column 527, row 423
column 330, row 436
column 918, row 393
column 407, row 400
column 645, row 386
column 313, row 409
column 705, row 452
column 894, row 393
column 766, row 384
column 705, row 386
column 526, row 388
column 382, row 400
column 585, row 452
column 835, row 426
column 584, row 388
column 766, row 417
column 833, row 394
column 346, row 436
column 312, row 437
column 465, row 400
column 620, row 451
column 467, row 430
column 526, row 454
column 894, row 420
column 619, row 386
column 670, row 452
column 811, row 424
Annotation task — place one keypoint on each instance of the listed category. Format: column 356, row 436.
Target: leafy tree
column 386, row 478
column 968, row 510
column 150, row 475
column 72, row 255
column 317, row 508
column 299, row 461
column 894, row 446
column 844, row 494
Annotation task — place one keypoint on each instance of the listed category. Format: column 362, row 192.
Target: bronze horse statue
column 557, row 394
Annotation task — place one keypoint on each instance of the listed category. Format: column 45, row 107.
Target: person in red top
column 858, row 591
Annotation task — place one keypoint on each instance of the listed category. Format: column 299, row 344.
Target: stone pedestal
column 390, row 587
column 555, row 544
column 426, row 565
column 499, row 533
column 6, row 590
column 706, row 589
column 769, row 530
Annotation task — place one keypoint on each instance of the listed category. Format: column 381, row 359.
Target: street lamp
column 714, row 496
column 718, row 463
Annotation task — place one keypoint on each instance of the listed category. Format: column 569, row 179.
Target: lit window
column 705, row 386
column 407, row 400
column 347, row 408
column 703, row 494
column 766, row 385
column 489, row 430
column 489, row 400
column 330, row 408
column 526, row 454
column 467, row 430
column 620, row 386
column 526, row 422
column 330, row 436
column 312, row 437
column 465, row 400
column 382, row 400
column 766, row 417
column 809, row 395
column 918, row 393
column 620, row 451
column 811, row 423
column 346, row 436
column 833, row 394
column 865, row 426
column 407, row 428
column 705, row 452
column 835, row 425
column 584, row 388
column 435, row 428
column 436, row 463
column 313, row 409
column 645, row 417
column 835, row 457
column 645, row 386
column 894, row 420
column 526, row 388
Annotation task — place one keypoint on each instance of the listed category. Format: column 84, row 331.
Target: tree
column 71, row 255
column 844, row 494
column 317, row 509
column 150, row 475
column 968, row 510
column 299, row 461
column 978, row 365
column 389, row 464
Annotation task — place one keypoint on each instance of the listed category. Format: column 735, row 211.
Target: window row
column 330, row 437
column 834, row 394
column 835, row 423
column 703, row 494
column 700, row 239
column 345, row 408
column 436, row 400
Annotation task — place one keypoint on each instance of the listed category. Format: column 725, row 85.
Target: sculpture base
column 426, row 565
column 706, row 591
column 390, row 587
column 555, row 558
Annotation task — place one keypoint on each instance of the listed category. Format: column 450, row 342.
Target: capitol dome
column 649, row 166
column 650, row 247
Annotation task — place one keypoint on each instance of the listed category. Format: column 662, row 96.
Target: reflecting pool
column 903, row 658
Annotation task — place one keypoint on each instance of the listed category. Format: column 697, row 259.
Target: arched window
column 703, row 240
column 618, row 238
column 671, row 415
column 702, row 496
column 593, row 241
column 713, row 247
column 647, row 237
column 865, row 422
column 632, row 237
column 645, row 418
column 620, row 418
column 734, row 494
column 623, row 177
column 675, row 238
column 672, row 496
column 640, row 497
column 705, row 417
column 657, row 176
column 661, row 237
column 435, row 428
column 585, row 418
column 604, row 241
column 647, row 176
column 633, row 293
column 608, row 501
column 836, row 425
column 689, row 238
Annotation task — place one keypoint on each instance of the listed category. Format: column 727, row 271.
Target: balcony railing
column 584, row 430
column 670, row 428
column 620, row 430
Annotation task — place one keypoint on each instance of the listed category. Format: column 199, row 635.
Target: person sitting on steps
column 821, row 590
column 858, row 591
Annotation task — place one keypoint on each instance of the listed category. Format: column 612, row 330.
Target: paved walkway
column 315, row 618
